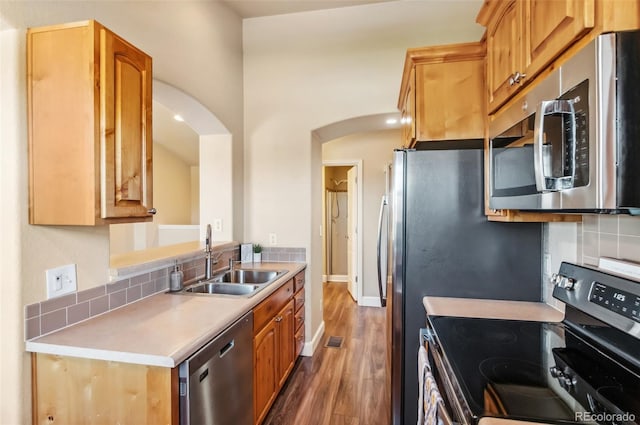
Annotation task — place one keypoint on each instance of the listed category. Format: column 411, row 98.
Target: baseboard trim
column 310, row 347
column 337, row 278
column 369, row 302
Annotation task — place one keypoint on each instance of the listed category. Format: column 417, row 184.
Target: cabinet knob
column 278, row 319
column 152, row 211
column 512, row 80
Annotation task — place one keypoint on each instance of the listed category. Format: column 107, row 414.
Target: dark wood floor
column 339, row 386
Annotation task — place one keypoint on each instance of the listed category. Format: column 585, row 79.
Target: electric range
column 585, row 369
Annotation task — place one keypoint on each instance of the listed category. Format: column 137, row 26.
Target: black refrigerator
column 443, row 245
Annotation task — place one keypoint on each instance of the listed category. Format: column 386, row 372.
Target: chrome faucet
column 207, row 251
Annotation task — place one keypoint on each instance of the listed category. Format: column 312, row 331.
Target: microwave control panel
column 579, row 96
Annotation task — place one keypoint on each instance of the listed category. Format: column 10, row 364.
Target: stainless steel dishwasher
column 216, row 383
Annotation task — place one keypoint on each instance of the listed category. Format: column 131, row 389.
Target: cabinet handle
column 278, row 319
column 517, row 77
column 152, row 211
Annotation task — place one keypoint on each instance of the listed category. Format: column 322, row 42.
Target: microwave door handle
column 538, row 143
column 544, row 182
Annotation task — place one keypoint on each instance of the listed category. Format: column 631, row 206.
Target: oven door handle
column 542, row 154
column 426, row 335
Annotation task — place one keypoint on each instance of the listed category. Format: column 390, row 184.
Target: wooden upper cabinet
column 553, row 25
column 408, row 111
column 524, row 36
column 442, row 93
column 504, row 54
column 89, row 116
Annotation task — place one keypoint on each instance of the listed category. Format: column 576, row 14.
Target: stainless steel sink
column 241, row 282
column 250, row 276
column 222, row 288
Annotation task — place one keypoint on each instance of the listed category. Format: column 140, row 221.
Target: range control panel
column 612, row 299
column 616, row 300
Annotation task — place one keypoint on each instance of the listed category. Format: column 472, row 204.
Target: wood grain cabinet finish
column 276, row 342
column 524, row 36
column 526, row 40
column 408, row 111
column 442, row 93
column 89, row 120
column 69, row 390
column 298, row 298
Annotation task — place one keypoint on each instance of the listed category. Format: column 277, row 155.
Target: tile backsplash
column 613, row 236
column 51, row 315
column 609, row 236
column 279, row 254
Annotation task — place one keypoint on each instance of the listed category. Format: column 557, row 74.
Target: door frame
column 358, row 267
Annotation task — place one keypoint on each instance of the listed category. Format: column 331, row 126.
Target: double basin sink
column 241, row 282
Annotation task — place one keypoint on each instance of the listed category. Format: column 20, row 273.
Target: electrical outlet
column 61, row 281
column 547, row 264
column 217, row 225
column 273, row 240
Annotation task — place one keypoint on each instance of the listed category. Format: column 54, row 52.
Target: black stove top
column 583, row 370
column 502, row 367
column 515, row 369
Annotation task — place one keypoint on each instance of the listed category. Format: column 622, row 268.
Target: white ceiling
column 257, row 8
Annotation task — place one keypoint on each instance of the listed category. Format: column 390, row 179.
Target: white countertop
column 491, row 309
column 161, row 330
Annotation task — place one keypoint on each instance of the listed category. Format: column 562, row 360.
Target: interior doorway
column 342, row 217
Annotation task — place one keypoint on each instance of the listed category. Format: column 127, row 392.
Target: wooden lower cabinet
column 274, row 357
column 278, row 326
column 286, row 338
column 69, row 390
column 265, row 348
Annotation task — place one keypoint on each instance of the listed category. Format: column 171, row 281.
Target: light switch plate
column 61, row 281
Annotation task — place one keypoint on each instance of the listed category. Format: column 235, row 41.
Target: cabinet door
column 126, row 141
column 450, row 100
column 264, row 375
column 553, row 26
column 504, row 53
column 408, row 113
column 286, row 340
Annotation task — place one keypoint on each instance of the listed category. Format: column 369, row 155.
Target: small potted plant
column 257, row 253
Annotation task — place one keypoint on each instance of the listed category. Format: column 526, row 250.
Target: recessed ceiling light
column 391, row 121
column 178, row 118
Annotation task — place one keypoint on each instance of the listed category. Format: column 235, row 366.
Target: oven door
column 453, row 409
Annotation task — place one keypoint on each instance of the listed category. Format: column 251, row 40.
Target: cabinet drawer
column 299, row 340
column 298, row 281
column 268, row 308
column 299, row 299
column 299, row 318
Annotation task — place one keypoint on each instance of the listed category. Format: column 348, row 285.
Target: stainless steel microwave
column 573, row 143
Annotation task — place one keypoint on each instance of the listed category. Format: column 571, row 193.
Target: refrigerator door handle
column 383, row 205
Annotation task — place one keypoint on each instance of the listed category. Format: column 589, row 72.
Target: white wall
column 173, row 175
column 196, row 46
column 12, row 365
column 376, row 152
column 307, row 70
